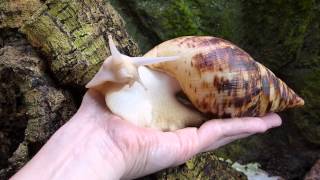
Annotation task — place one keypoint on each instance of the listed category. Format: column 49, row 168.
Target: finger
column 185, row 143
column 176, row 147
column 234, row 126
column 272, row 120
column 189, row 144
column 215, row 130
column 165, row 149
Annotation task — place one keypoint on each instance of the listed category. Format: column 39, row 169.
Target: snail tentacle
column 123, row 69
column 141, row 61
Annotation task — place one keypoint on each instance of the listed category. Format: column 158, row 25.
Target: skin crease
column 94, row 144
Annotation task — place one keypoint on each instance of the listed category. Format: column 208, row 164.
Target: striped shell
column 221, row 79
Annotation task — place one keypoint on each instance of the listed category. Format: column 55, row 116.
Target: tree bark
column 32, row 106
column 73, row 35
column 14, row 12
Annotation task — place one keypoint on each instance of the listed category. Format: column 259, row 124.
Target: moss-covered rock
column 281, row 151
column 169, row 19
column 304, row 74
column 308, row 118
column 205, row 166
column 275, row 30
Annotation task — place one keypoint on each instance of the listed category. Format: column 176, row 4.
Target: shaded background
column 50, row 49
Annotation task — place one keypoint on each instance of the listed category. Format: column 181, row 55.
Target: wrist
column 81, row 149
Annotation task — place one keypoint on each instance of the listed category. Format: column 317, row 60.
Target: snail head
column 123, row 69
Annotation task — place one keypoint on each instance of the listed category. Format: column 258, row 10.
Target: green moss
column 249, row 147
column 144, row 38
column 221, row 18
column 203, row 166
column 162, row 20
column 272, row 31
column 82, row 35
column 50, row 37
column 275, row 30
column 308, row 118
column 303, row 75
column 73, row 34
column 14, row 13
column 169, row 19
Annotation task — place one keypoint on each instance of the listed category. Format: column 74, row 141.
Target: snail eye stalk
column 120, row 68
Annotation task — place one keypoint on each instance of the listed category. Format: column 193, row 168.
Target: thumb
column 93, row 101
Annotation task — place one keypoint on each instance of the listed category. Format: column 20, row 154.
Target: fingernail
column 273, row 120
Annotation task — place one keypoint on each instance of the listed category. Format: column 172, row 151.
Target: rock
column 14, row 12
column 253, row 171
column 314, row 173
column 73, row 35
column 279, row 151
column 204, row 166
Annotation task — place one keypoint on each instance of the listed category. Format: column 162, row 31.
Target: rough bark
column 32, row 107
column 14, row 12
column 73, row 35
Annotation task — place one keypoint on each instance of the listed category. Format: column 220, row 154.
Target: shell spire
column 221, row 79
column 277, row 94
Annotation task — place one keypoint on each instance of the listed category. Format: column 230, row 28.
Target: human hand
column 95, row 144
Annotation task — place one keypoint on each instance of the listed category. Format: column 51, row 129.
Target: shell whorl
column 221, row 79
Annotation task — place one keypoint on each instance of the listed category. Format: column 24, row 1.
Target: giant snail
column 219, row 79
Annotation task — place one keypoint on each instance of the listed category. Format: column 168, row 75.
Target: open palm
column 142, row 151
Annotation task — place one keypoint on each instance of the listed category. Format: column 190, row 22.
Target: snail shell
column 221, row 79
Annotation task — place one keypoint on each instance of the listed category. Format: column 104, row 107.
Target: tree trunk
column 32, row 106
column 73, row 35
column 14, row 12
